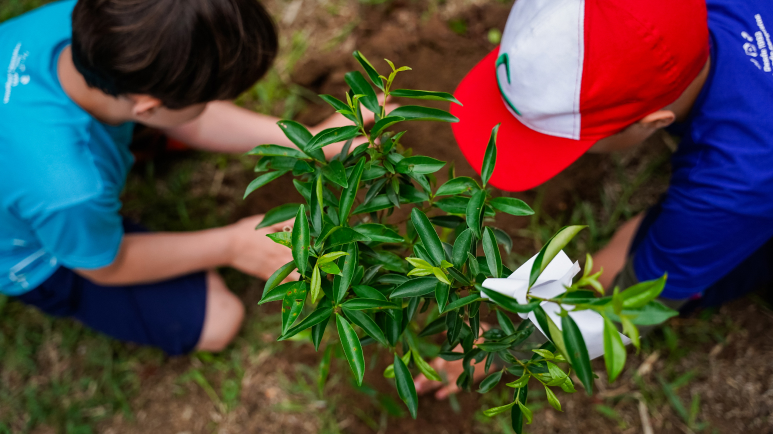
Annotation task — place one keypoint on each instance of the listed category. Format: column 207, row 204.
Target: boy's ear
column 144, row 106
column 659, row 119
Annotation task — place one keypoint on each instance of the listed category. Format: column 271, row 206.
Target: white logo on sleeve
column 16, row 75
column 759, row 47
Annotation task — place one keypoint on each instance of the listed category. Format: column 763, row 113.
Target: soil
column 734, row 378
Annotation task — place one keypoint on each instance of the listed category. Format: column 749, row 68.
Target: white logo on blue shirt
column 16, row 70
column 759, row 46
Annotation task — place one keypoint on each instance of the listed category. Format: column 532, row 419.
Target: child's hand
column 256, row 254
column 339, row 120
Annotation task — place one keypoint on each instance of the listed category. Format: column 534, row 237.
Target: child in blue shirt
column 80, row 75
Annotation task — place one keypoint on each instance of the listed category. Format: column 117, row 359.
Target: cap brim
column 525, row 158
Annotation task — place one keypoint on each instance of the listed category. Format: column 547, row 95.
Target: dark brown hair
column 182, row 52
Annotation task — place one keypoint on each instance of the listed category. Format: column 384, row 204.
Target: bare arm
column 225, row 127
column 613, row 256
column 145, row 258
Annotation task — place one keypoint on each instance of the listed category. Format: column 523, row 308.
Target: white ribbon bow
column 551, row 283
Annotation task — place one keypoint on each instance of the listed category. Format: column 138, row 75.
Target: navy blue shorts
column 168, row 314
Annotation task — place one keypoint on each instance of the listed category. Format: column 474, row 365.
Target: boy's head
column 571, row 74
column 173, row 55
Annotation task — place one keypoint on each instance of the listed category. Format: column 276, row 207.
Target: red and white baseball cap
column 571, row 72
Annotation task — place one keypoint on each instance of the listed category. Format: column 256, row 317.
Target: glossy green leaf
column 453, row 204
column 262, row 180
column 460, row 185
column 490, row 157
column 419, row 164
column 405, row 386
column 428, row 235
column 389, row 372
column 360, row 86
column 418, row 113
column 516, row 414
column 440, row 275
column 348, row 195
column 329, row 257
column 369, row 303
column 277, row 293
column 379, row 233
column 336, row 173
column 415, row 287
column 365, row 322
column 553, row 399
column 511, row 205
column 441, row 295
column 462, row 247
column 316, row 285
column 577, row 352
column 491, row 250
column 345, row 236
column 504, row 239
column 424, row 94
column 279, row 214
column 276, row 151
column 509, row 303
column 614, row 350
column 300, row 240
column 491, row 412
column 318, row 332
column 383, row 124
column 339, row 105
column 642, row 293
column 378, row 203
column 409, row 194
column 652, row 313
column 369, row 69
column 321, row 313
column 505, row 323
column 425, row 367
column 630, row 330
column 556, row 336
column 283, row 238
column 333, row 135
column 490, row 382
column 292, row 305
column 551, row 249
column 464, row 301
column 277, row 277
column 474, row 211
column 341, row 283
column 352, row 348
column 300, row 136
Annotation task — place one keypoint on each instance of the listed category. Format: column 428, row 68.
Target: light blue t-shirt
column 61, row 170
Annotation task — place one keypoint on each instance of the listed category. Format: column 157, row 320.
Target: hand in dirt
column 256, row 254
column 339, row 120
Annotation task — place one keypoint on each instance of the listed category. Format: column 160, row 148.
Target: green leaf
column 441, row 295
column 462, row 184
column 516, row 414
column 330, row 268
column 642, row 293
column 376, row 204
column 277, row 277
column 511, row 205
column 318, row 332
column 490, row 382
column 352, row 348
column 348, row 195
column 474, row 211
column 409, row 194
column 462, row 247
column 631, row 331
column 276, row 151
column 419, row 164
column 300, row 240
column 389, row 372
column 333, row 135
column 360, row 86
column 336, row 173
column 453, row 204
column 283, row 238
column 419, row 263
column 490, row 157
column 300, row 136
column 491, row 250
column 415, row 288
column 424, row 94
column 441, row 275
column 578, row 352
column 279, row 292
column 551, row 249
column 504, row 239
column 526, row 413
column 330, row 257
column 379, row 233
column 491, row 412
column 373, row 172
column 435, row 327
column 425, row 367
column 464, row 301
column 345, row 236
column 383, row 124
column 316, row 285
column 279, row 214
column 262, row 180
column 614, row 350
column 552, row 399
column 292, row 305
column 556, row 335
column 405, row 387
column 652, row 313
column 509, row 303
column 418, row 113
column 321, row 313
column 339, row 105
column 365, row 322
column 369, row 303
column 341, row 283
column 505, row 323
column 428, row 235
column 369, row 69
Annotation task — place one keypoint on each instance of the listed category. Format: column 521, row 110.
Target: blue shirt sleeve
column 696, row 244
column 85, row 235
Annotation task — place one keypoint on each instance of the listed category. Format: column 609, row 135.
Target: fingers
column 286, row 225
column 446, row 391
column 425, row 385
column 391, row 106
